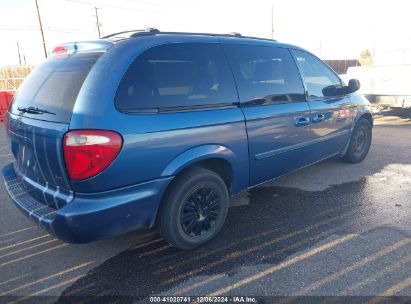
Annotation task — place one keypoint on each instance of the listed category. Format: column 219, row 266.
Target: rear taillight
column 88, row 152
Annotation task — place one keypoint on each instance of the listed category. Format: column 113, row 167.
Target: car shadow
column 402, row 113
column 393, row 117
column 277, row 223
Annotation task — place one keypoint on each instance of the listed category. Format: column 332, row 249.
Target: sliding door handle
column 302, row 121
column 318, row 117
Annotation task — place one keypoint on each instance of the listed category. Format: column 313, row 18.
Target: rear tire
column 194, row 209
column 360, row 142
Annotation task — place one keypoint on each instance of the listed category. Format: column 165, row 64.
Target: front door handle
column 302, row 121
column 318, row 117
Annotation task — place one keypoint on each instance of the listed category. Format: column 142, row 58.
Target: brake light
column 89, row 152
column 59, row 50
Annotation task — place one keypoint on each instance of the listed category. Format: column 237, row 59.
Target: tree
column 366, row 58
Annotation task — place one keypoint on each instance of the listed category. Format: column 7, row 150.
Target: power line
column 17, row 27
column 151, row 3
column 111, row 6
column 36, row 28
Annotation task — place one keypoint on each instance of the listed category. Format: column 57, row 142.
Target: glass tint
column 177, row 75
column 316, row 74
column 54, row 85
column 264, row 73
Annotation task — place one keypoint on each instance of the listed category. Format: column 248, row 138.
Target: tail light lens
column 60, row 50
column 89, row 152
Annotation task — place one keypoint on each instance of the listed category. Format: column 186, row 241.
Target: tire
column 194, row 209
column 360, row 142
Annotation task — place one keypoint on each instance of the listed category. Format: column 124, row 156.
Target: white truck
column 384, row 85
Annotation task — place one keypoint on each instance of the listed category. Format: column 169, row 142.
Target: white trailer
column 384, row 85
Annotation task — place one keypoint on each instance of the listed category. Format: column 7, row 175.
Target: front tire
column 360, row 142
column 194, row 209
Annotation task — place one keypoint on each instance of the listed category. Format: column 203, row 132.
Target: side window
column 177, row 75
column 265, row 73
column 316, row 74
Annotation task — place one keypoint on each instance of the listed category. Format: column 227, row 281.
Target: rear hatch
column 37, row 121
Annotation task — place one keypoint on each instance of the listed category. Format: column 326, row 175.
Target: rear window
column 179, row 75
column 54, row 85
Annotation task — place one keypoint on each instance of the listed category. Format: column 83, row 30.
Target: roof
column 168, row 37
column 152, row 37
column 155, row 32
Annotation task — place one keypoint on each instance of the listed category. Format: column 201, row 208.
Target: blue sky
column 333, row 29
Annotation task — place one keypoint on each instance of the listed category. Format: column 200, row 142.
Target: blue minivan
column 144, row 128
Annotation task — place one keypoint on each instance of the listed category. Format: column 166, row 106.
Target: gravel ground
column 332, row 229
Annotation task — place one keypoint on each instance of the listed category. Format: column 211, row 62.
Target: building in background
column 340, row 66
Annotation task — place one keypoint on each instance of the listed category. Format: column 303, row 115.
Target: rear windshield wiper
column 33, row 110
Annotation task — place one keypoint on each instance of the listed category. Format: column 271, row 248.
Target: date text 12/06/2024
column 200, row 299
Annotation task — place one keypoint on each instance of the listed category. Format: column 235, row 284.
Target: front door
column 331, row 115
column 276, row 112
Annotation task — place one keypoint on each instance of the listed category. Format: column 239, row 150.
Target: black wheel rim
column 360, row 141
column 200, row 211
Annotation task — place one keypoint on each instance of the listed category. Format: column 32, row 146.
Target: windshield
column 52, row 88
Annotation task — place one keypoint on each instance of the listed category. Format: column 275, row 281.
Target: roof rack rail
column 138, row 34
column 153, row 31
column 146, row 31
column 232, row 34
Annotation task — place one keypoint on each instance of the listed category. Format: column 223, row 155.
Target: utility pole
column 41, row 30
column 97, row 22
column 272, row 20
column 18, row 52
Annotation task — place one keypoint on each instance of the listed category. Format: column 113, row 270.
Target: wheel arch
column 367, row 116
column 216, row 158
column 363, row 113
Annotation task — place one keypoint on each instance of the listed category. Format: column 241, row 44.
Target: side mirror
column 333, row 90
column 353, row 86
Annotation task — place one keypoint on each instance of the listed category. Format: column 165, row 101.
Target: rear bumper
column 91, row 216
